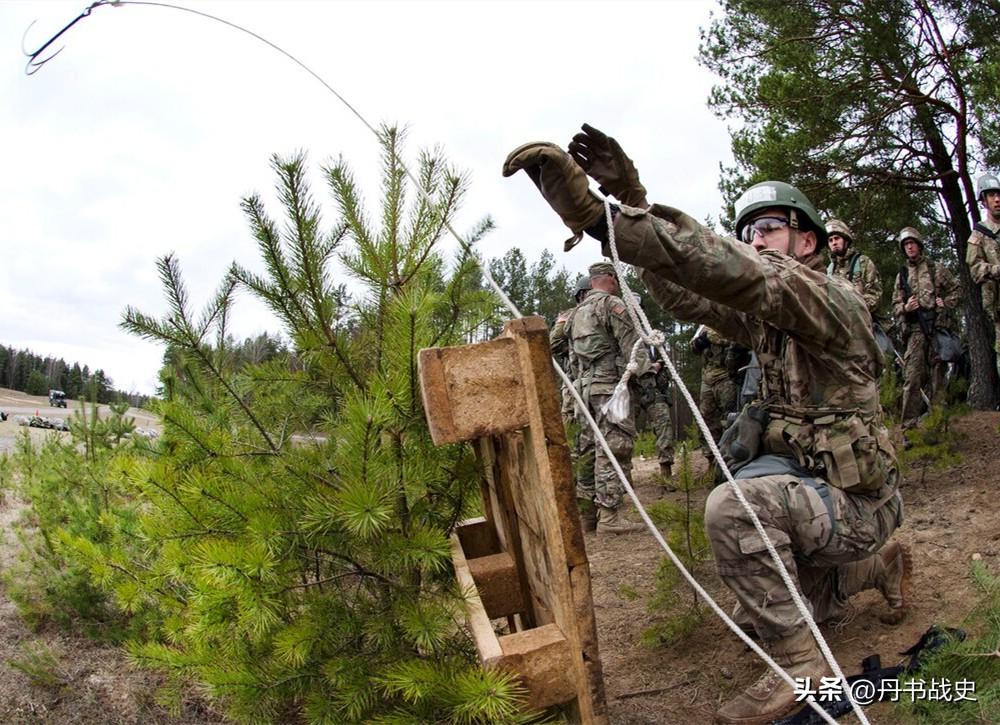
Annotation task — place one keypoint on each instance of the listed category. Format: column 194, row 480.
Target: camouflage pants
column 828, row 552
column 596, row 478
column 920, row 362
column 657, row 419
column 717, row 400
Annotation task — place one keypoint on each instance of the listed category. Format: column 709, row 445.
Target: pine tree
column 308, row 576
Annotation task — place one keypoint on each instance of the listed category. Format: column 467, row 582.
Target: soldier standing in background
column 983, row 252
column 718, row 383
column 601, row 337
column 852, row 265
column 924, row 295
column 583, row 468
column 653, row 401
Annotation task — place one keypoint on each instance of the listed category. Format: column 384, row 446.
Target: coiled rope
column 646, row 335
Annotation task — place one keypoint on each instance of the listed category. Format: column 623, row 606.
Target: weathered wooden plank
column 471, row 391
column 543, row 660
column 479, row 623
column 478, row 537
column 499, row 588
column 536, row 556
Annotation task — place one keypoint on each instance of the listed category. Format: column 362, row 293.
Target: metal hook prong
column 34, row 64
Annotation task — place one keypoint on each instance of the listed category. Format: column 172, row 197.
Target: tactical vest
column 849, row 449
column 598, row 363
column 852, row 268
column 714, row 368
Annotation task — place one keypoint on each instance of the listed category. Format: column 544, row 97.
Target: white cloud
column 143, row 136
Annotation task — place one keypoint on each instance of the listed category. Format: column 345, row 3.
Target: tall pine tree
column 295, row 513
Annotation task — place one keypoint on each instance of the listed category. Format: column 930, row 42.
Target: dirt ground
column 86, row 682
column 950, row 516
column 15, row 403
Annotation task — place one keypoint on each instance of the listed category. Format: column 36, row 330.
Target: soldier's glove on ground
column 562, row 182
column 602, row 158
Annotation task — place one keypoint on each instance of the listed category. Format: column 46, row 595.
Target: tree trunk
column 979, row 334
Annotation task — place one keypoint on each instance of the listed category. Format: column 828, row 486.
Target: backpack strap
column 854, row 267
column 983, row 229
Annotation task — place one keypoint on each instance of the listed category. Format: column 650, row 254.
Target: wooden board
column 525, row 559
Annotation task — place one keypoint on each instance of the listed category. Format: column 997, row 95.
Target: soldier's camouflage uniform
column 559, row 345
column 860, row 271
column 652, row 400
column 813, row 338
column 983, row 257
column 583, row 467
column 717, row 397
column 927, row 280
column 601, row 337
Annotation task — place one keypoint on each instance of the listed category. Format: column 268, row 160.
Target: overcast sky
column 142, row 137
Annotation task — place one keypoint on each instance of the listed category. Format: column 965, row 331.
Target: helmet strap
column 793, row 232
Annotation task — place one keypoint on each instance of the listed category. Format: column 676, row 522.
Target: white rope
column 646, row 334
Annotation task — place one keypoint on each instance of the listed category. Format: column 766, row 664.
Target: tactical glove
column 741, row 441
column 602, row 158
column 563, row 185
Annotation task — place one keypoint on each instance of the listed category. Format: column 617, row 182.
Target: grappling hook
column 34, row 64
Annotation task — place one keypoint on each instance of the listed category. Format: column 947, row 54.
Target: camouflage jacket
column 812, row 335
column 601, row 337
column 558, row 342
column 716, row 359
column 927, row 280
column 860, row 271
column 983, row 257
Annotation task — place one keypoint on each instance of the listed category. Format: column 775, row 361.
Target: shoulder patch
column 976, row 238
column 618, row 309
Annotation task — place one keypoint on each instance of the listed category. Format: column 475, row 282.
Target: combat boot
column 588, row 515
column 892, row 578
column 666, row 480
column 770, row 697
column 888, row 571
column 610, row 521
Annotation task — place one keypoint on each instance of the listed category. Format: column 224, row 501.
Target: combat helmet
column 768, row 194
column 582, row 286
column 910, row 233
column 835, row 226
column 986, row 182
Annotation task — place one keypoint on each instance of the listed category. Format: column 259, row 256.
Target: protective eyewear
column 763, row 225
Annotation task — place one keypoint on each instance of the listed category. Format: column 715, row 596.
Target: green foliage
column 79, row 503
column 40, row 664
column 890, row 393
column 535, row 289
column 645, row 445
column 678, row 608
column 977, row 659
column 6, row 477
column 37, row 383
column 284, row 545
column 627, row 591
column 933, row 443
